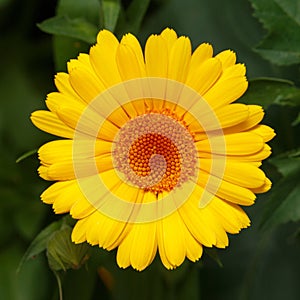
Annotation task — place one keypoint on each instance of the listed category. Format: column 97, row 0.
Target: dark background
column 258, row 264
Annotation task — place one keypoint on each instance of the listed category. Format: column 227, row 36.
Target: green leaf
column 284, row 202
column 25, row 155
column 281, row 18
column 136, row 12
column 88, row 9
column 267, row 91
column 297, row 120
column 131, row 19
column 77, row 28
column 111, row 11
column 39, row 244
column 66, row 48
column 62, row 253
column 286, row 163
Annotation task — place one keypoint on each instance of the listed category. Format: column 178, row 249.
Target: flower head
column 155, row 156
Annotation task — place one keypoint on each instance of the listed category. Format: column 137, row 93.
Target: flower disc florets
column 155, row 152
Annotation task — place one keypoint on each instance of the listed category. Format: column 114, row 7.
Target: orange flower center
column 148, row 146
column 155, row 152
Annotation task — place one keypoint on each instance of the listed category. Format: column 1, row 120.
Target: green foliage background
column 262, row 262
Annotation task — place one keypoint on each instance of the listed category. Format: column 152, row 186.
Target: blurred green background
column 259, row 264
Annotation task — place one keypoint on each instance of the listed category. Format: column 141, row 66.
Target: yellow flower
column 155, row 155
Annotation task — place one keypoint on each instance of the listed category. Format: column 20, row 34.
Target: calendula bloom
column 155, row 155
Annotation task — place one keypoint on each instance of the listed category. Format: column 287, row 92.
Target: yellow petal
column 54, row 190
column 226, row 190
column 243, row 143
column 49, row 122
column 222, row 237
column 239, row 173
column 71, row 115
column 62, row 150
column 82, row 208
column 194, row 249
column 62, row 195
column 93, row 229
column 232, row 114
column 202, row 77
column 64, row 170
column 256, row 114
column 108, row 230
column 230, row 215
column 82, row 62
column 139, row 247
column 200, row 55
column 236, row 194
column 43, row 172
column 266, row 132
column 103, row 58
column 121, row 115
column 227, row 57
column 156, row 65
column 123, row 254
column 238, row 70
column 59, row 171
column 111, row 232
column 86, row 121
column 179, row 59
column 62, row 83
column 244, row 174
column 85, row 83
column 55, row 151
column 170, row 36
column 226, row 116
column 125, row 197
column 226, row 91
column 130, row 58
column 105, row 232
column 119, row 187
column 144, row 245
column 264, row 188
column 54, row 100
column 130, row 61
column 171, row 240
column 196, row 219
column 79, row 231
column 258, row 156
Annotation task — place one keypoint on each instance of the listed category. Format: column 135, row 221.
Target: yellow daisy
column 155, row 156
